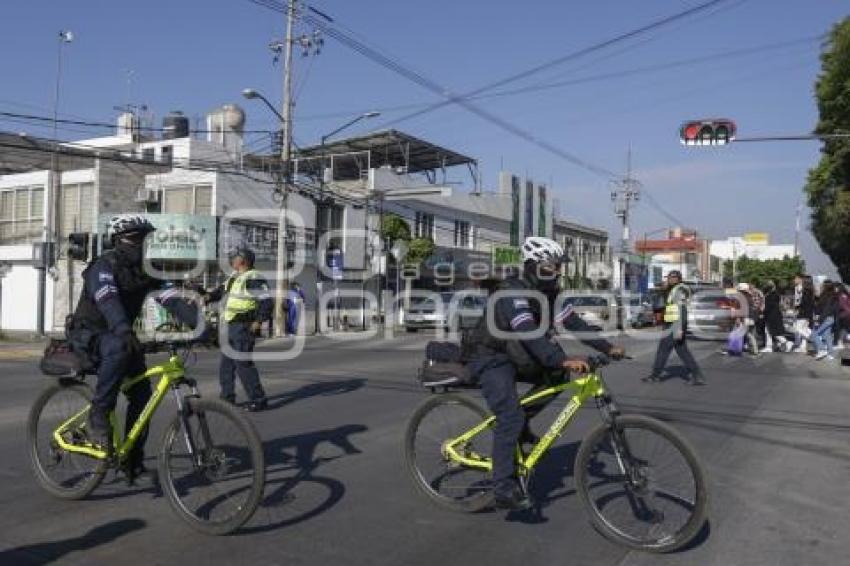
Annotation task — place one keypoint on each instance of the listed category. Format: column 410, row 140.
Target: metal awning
column 384, row 148
column 22, row 154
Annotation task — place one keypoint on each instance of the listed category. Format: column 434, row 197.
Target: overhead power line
column 568, row 57
column 417, row 78
column 93, row 124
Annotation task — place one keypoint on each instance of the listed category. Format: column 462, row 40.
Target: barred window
column 21, row 214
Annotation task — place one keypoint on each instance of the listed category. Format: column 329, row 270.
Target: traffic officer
column 498, row 362
column 675, row 330
column 114, row 289
column 247, row 304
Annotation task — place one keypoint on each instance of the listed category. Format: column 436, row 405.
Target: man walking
column 294, row 300
column 675, row 328
column 247, row 304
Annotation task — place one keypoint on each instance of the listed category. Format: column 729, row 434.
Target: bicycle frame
column 170, row 374
column 583, row 389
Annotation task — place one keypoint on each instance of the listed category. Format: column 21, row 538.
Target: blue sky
column 193, row 55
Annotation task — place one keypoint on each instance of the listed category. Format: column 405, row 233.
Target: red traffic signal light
column 707, row 132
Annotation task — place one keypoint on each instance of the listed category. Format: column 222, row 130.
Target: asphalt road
column 772, row 433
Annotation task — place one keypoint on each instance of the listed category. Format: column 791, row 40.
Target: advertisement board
column 178, row 236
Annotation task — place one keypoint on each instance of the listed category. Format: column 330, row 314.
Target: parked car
column 639, row 312
column 598, row 309
column 712, row 313
column 463, row 312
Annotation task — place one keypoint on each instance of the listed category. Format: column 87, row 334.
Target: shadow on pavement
column 49, row 552
column 318, row 389
column 294, row 493
column 700, row 538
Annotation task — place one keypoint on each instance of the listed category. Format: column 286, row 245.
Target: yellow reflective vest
column 239, row 300
column 671, row 310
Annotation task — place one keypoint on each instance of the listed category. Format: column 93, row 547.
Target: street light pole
column 52, row 227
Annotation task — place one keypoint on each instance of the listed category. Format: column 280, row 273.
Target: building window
column 424, row 225
column 463, row 234
column 165, row 154
column 148, row 154
column 21, row 214
column 188, row 199
column 77, row 214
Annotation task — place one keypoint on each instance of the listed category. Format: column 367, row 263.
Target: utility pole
column 281, row 283
column 622, row 194
column 797, row 229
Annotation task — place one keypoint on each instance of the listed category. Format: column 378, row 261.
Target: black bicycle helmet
column 124, row 224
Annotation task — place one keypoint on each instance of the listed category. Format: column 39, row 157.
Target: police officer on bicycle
column 247, row 305
column 114, row 289
column 499, row 360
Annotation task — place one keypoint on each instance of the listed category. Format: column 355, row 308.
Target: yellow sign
column 757, row 238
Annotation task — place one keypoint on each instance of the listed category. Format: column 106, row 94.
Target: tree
column 828, row 184
column 758, row 271
column 394, row 229
column 419, row 250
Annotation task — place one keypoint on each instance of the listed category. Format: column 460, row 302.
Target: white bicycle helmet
column 542, row 250
column 130, row 223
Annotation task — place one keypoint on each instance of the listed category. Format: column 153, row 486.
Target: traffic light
column 82, row 246
column 78, row 246
column 707, row 132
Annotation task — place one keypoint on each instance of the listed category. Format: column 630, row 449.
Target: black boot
column 698, row 379
column 229, row 399
column 509, row 495
column 651, row 378
column 257, row 405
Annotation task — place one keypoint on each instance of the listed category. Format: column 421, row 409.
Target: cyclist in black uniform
column 498, row 360
column 114, row 289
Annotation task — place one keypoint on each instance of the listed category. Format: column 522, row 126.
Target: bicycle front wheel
column 63, row 474
column 211, row 467
column 642, row 484
column 445, row 482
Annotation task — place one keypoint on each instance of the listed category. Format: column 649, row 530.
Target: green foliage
column 757, row 272
column 828, row 185
column 419, row 250
column 395, row 228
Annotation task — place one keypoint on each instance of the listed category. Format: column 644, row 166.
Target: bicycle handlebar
column 597, row 361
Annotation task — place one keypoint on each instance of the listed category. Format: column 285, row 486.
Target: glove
column 617, row 352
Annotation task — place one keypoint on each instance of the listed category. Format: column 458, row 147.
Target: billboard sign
column 178, row 236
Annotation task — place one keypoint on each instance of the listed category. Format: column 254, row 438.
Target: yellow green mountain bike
column 639, row 480
column 210, row 459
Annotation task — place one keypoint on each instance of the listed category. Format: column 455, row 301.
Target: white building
column 185, row 183
column 753, row 245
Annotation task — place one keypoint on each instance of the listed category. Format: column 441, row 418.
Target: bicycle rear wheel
column 642, row 484
column 216, row 486
column 447, row 483
column 63, row 474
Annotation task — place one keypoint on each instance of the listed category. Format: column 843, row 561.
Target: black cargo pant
column 241, row 339
column 498, row 385
column 117, row 363
column 667, row 344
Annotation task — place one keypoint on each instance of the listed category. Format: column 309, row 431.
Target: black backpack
column 444, row 366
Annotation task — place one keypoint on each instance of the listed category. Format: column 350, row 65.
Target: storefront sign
column 178, row 236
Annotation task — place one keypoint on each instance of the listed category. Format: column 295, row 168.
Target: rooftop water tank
column 175, row 125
